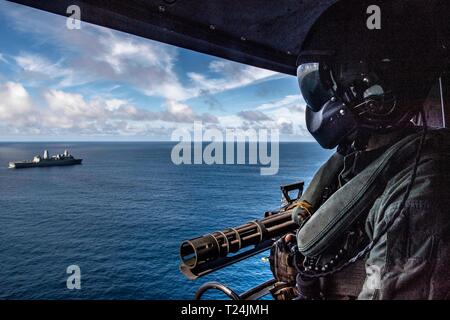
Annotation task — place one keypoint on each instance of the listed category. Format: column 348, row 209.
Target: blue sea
column 122, row 215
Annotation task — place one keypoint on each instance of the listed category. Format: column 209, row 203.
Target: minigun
column 214, row 251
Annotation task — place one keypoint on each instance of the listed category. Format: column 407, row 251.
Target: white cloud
column 35, row 63
column 2, row 58
column 146, row 65
column 180, row 112
column 18, row 116
column 96, row 53
column 286, row 114
column 38, row 69
column 253, row 115
column 15, row 106
column 67, row 113
column 240, row 73
column 295, row 102
column 230, row 75
column 71, row 113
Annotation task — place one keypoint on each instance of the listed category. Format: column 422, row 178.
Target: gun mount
column 214, row 251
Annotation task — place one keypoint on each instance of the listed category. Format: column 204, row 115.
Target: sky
column 96, row 84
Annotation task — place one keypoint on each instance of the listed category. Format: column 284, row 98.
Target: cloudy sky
column 100, row 84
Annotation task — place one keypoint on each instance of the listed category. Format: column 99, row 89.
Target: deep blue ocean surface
column 122, row 215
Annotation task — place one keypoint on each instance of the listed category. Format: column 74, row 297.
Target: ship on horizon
column 65, row 159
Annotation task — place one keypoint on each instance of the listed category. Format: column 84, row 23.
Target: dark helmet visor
column 312, row 89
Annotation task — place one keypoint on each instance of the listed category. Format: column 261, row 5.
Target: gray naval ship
column 64, row 159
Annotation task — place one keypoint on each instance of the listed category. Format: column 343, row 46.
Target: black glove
column 282, row 260
column 282, row 266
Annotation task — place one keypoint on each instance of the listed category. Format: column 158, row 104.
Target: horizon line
column 66, row 141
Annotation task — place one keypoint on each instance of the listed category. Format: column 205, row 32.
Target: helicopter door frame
column 444, row 86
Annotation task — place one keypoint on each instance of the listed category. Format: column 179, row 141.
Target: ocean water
column 122, row 215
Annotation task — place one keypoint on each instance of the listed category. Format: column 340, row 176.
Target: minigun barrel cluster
column 213, row 251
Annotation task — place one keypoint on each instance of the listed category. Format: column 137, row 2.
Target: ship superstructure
column 64, row 159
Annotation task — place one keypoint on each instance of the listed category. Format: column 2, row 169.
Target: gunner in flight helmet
column 383, row 197
column 358, row 78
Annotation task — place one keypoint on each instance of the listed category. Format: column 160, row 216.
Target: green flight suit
column 412, row 260
column 413, row 257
